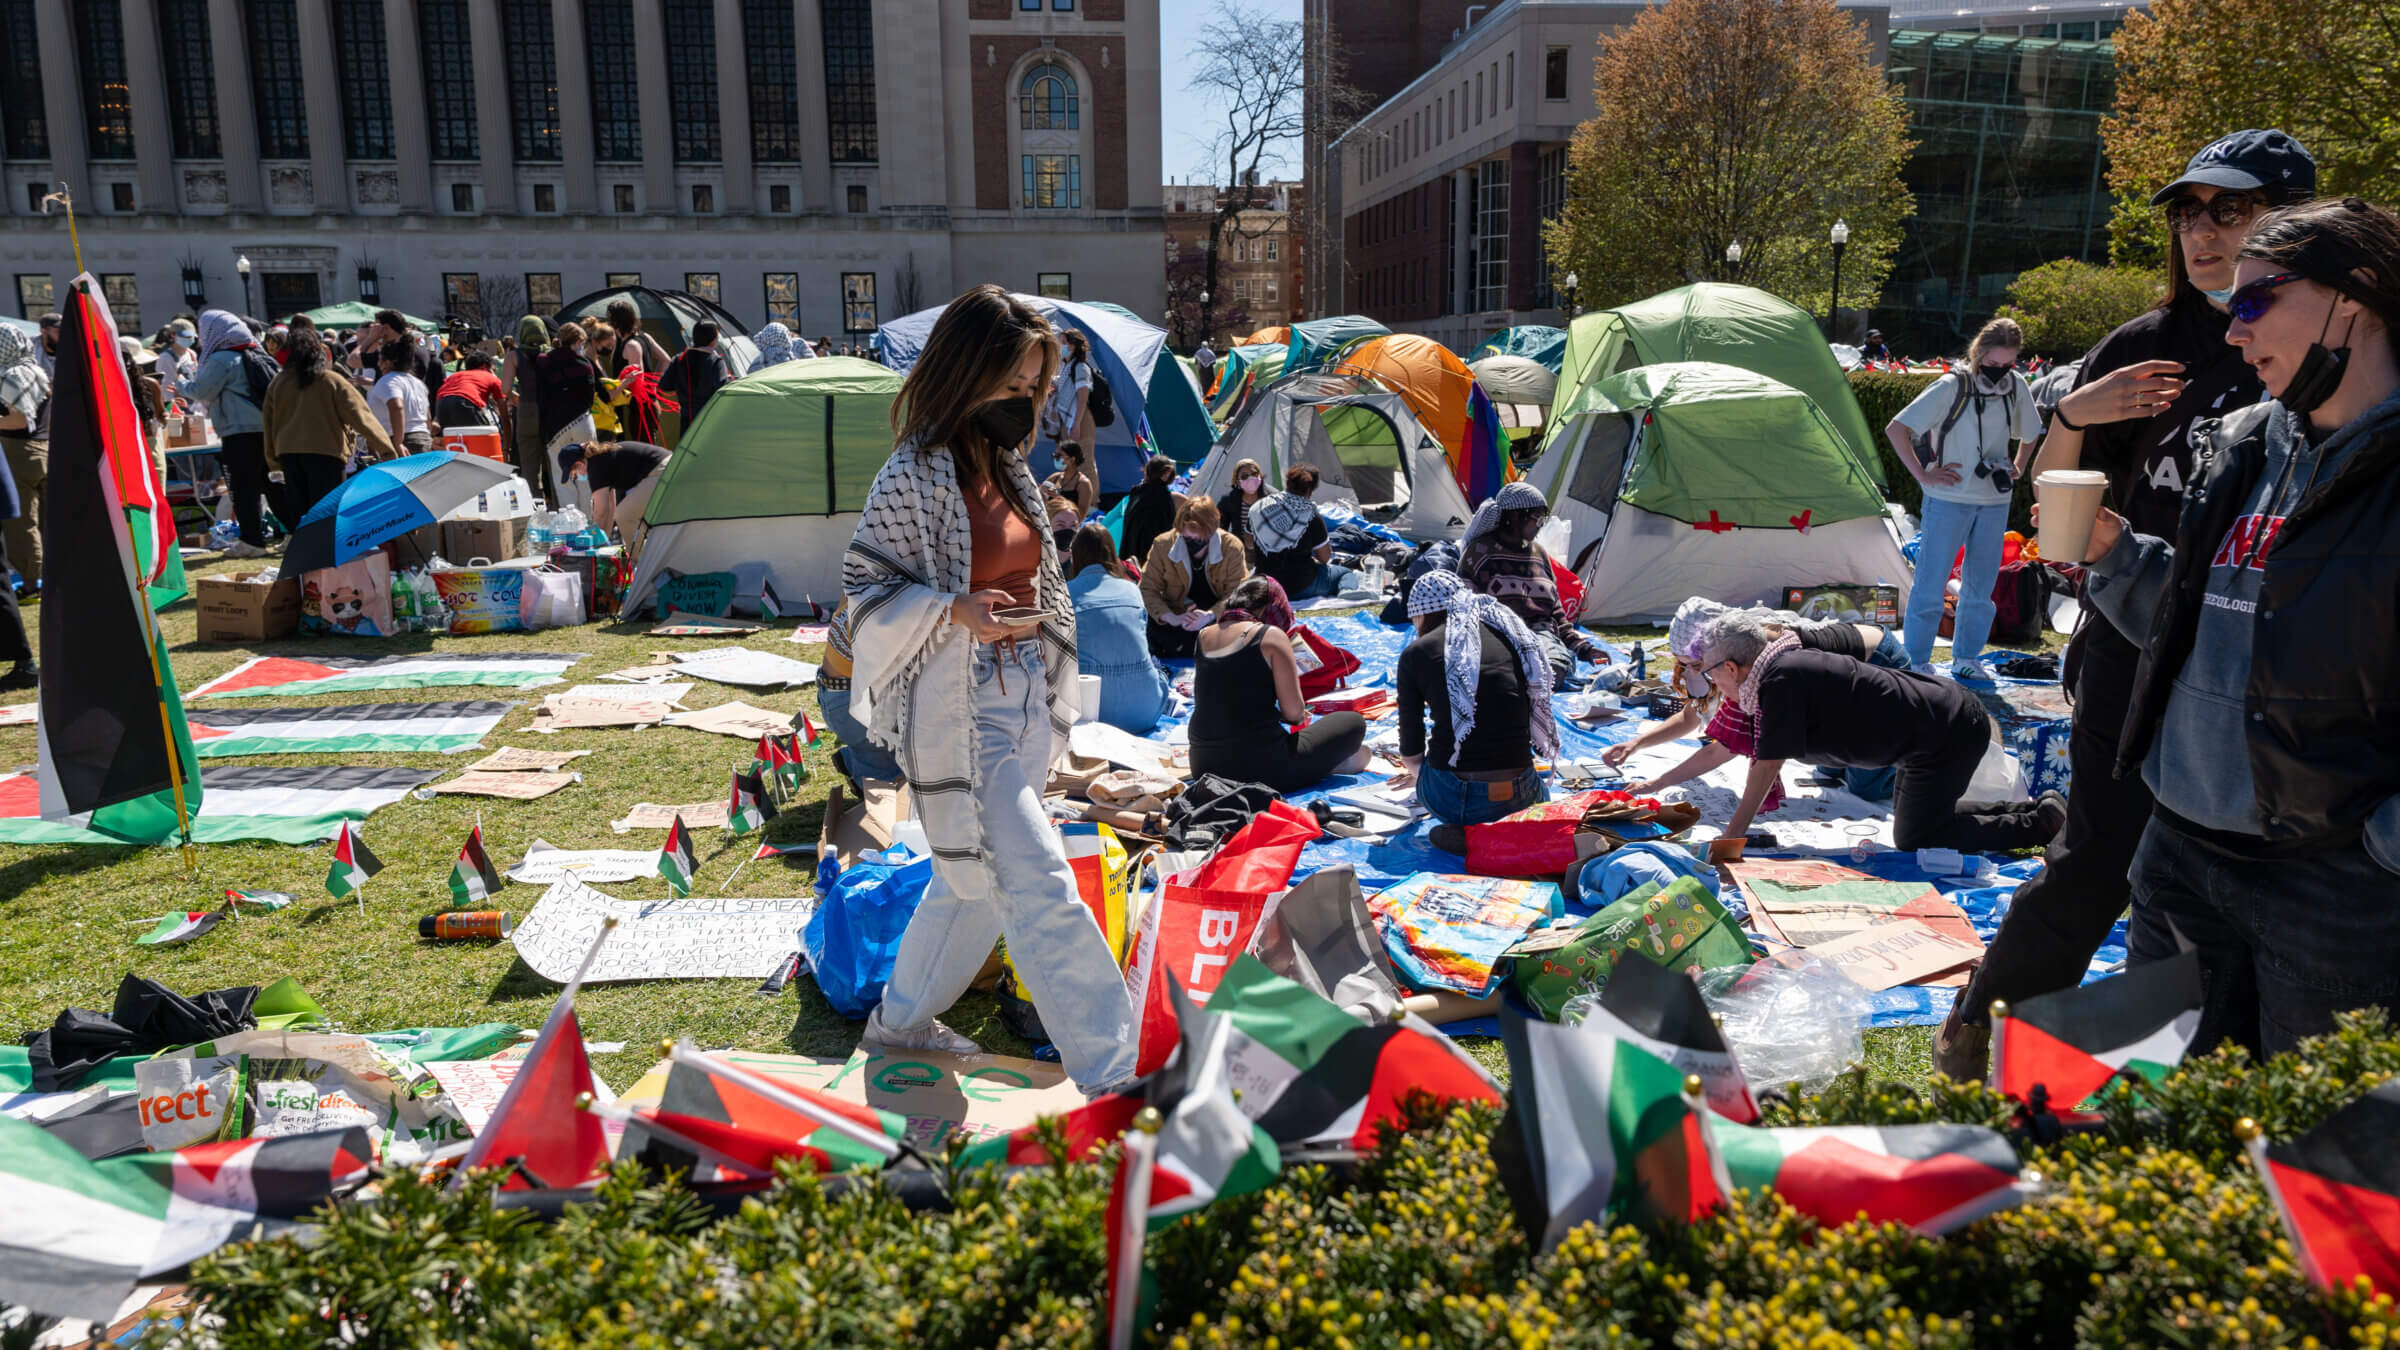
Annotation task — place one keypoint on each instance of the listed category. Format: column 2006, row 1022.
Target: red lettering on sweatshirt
column 2248, row 543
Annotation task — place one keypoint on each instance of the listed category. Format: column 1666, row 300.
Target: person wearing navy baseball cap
column 2137, row 397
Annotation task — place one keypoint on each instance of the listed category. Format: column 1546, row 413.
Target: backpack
column 1103, row 403
column 258, row 371
column 1927, row 444
column 2021, row 599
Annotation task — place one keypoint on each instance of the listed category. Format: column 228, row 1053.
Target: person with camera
column 1961, row 439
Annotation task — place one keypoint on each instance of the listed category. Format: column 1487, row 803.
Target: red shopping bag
column 1323, row 666
column 1189, row 934
column 1537, row 841
column 1259, row 857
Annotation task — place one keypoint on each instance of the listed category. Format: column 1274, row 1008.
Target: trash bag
column 147, row 1017
column 1792, row 1018
column 854, row 935
column 1213, row 808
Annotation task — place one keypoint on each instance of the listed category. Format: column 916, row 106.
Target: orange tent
column 1278, row 336
column 1443, row 394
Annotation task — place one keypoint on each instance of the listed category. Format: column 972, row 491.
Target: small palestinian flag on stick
column 793, row 769
column 749, row 807
column 770, row 605
column 180, row 928
column 2337, row 1189
column 1933, row 1178
column 805, row 732
column 2069, row 1044
column 1663, row 1013
column 472, row 877
column 353, row 863
column 270, row 901
column 769, row 760
column 676, row 860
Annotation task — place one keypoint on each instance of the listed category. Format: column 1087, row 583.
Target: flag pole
column 2253, row 1140
column 1133, row 1227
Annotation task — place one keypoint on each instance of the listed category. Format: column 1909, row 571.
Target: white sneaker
column 243, row 548
column 1970, row 670
column 934, row 1035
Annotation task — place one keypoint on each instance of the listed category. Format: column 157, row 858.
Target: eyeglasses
column 2226, row 208
column 2251, row 302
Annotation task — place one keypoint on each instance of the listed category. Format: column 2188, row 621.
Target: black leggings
column 1294, row 761
column 306, row 480
column 1927, row 812
column 244, row 455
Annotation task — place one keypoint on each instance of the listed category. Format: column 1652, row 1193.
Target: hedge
column 2152, row 1233
column 1881, row 396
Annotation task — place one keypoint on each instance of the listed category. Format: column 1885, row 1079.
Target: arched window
column 1047, row 100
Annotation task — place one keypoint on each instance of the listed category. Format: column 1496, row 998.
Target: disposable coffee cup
column 2070, row 500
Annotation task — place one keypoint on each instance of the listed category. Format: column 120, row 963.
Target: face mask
column 2320, row 372
column 1695, row 683
column 183, row 339
column 1995, row 374
column 2218, row 298
column 1251, row 483
column 1195, row 538
column 1006, row 422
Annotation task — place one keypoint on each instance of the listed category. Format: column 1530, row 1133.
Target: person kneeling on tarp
column 1828, row 709
column 1246, row 693
column 1476, row 669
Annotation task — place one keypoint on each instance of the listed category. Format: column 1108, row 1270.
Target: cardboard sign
column 474, row 1087
column 938, row 1095
column 652, row 816
column 545, row 863
column 563, row 712
column 815, row 633
column 1891, row 954
column 697, row 937
column 736, row 719
column 509, row 759
column 24, row 714
column 740, row 665
column 680, row 624
column 700, row 593
column 512, row 786
column 866, row 827
column 1099, row 740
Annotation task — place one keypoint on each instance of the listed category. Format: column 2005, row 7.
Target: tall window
column 849, row 80
column 1047, row 100
column 616, row 84
column 709, row 286
column 1554, row 73
column 532, row 78
column 449, row 78
column 1491, row 235
column 543, row 293
column 36, row 295
column 1053, row 182
column 358, row 48
column 191, row 79
column 275, row 91
column 21, row 82
column 692, row 80
column 1552, row 200
column 124, row 297
column 768, row 37
column 107, row 101
column 783, row 299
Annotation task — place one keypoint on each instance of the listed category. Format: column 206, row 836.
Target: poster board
column 697, row 937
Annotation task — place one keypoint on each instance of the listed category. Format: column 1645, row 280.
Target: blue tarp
column 1533, row 341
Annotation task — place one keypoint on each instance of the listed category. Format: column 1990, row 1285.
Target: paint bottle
column 466, row 923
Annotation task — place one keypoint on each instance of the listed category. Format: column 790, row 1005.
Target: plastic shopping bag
column 551, row 598
column 854, row 935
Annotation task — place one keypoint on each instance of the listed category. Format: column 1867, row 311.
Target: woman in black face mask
column 2262, row 715
column 964, row 665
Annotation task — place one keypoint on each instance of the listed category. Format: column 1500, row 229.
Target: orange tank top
column 1008, row 549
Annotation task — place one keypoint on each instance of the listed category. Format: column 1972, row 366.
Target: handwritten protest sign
column 509, row 759
column 545, row 863
column 653, row 816
column 938, row 1094
column 1890, row 954
column 680, row 624
column 516, row 787
column 696, row 593
column 736, row 719
column 697, row 937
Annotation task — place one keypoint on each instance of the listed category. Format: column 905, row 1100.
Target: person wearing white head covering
column 776, row 346
column 24, row 390
column 25, row 436
column 1477, row 671
column 1499, row 558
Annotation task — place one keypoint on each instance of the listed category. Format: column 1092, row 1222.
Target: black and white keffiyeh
column 1279, row 521
column 1518, row 496
column 1462, row 665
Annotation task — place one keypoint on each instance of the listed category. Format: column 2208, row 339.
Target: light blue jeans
column 858, row 757
column 1014, row 883
column 1947, row 527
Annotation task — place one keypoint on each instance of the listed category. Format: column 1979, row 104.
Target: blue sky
column 1185, row 118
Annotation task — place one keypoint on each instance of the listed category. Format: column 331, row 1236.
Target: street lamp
column 1833, row 306
column 1204, row 316
column 241, row 264
column 1733, row 260
column 1568, row 284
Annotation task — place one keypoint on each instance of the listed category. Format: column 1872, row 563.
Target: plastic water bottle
column 543, row 532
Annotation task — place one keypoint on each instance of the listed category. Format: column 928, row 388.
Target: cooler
column 484, row 441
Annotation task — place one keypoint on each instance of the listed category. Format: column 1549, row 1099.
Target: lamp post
column 1733, row 261
column 241, row 264
column 1568, row 284
column 1204, row 316
column 1833, row 304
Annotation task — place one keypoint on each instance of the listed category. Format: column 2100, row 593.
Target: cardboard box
column 415, row 548
column 1848, row 602
column 242, row 608
column 495, row 540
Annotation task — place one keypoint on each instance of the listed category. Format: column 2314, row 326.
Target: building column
column 153, row 139
column 237, row 117
column 577, row 145
column 328, row 136
column 740, row 195
column 658, row 119
column 411, row 140
column 495, row 124
column 62, row 102
column 816, row 131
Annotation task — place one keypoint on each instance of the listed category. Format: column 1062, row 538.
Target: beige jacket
column 1167, row 578
column 320, row 419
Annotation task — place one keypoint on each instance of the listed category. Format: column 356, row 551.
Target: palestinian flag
column 770, row 605
column 750, row 807
column 472, row 877
column 1662, row 1012
column 270, row 901
column 181, row 928
column 806, row 733
column 2337, row 1189
column 1321, row 1082
column 676, row 861
column 1606, row 1132
column 792, row 769
column 769, row 757
column 82, row 1233
column 2069, row 1044
column 115, row 756
column 537, row 1130
column 767, row 850
column 378, row 728
column 287, row 676
column 1932, row 1178
column 1089, row 1128
column 353, row 863
column 743, row 1122
column 277, row 803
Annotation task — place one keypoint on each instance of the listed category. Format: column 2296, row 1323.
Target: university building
column 827, row 163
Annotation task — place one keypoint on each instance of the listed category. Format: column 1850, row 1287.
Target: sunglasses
column 2226, row 209
column 2251, row 302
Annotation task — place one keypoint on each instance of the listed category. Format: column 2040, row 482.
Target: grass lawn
column 69, row 931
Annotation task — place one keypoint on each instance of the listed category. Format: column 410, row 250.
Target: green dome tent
column 1693, row 478
column 768, row 483
column 1736, row 325
column 352, row 313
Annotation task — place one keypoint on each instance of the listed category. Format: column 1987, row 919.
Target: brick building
column 1261, row 273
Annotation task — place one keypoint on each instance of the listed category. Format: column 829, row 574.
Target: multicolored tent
column 1443, row 394
column 1242, row 372
column 1320, row 341
column 1363, row 438
column 1533, row 341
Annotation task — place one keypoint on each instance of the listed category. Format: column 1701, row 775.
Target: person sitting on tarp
column 1724, row 722
column 1249, row 722
column 1187, row 577
column 622, row 475
column 1150, row 508
column 1476, row 670
column 1109, row 642
column 1292, row 539
column 859, row 759
column 1499, row 558
column 1829, row 709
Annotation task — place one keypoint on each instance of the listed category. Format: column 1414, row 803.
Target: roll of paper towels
column 1089, row 685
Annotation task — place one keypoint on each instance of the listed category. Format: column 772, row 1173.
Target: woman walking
column 965, row 666
column 311, row 416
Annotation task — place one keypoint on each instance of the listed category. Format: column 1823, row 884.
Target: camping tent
column 1736, row 325
column 769, row 481
column 1178, row 411
column 352, row 313
column 1443, row 394
column 1278, row 336
column 1240, row 373
column 667, row 316
column 1521, row 390
column 1319, row 341
column 1368, row 447
column 1692, row 478
column 1533, row 341
column 1125, row 350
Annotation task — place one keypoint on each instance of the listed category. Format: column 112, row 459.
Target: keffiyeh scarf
column 1462, row 665
column 221, row 331
column 1519, row 496
column 1279, row 521
column 24, row 386
column 774, row 347
column 1758, row 670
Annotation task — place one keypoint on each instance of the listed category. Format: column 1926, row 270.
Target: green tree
column 1760, row 122
column 2066, row 306
column 2327, row 71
